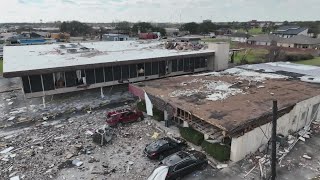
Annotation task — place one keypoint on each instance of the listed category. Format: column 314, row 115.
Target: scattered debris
column 11, row 118
column 155, row 135
column 302, row 139
column 221, row 166
column 77, row 162
column 306, row 157
column 5, row 151
column 15, row 178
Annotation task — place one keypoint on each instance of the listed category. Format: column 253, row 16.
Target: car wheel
column 203, row 166
column 120, row 124
column 161, row 157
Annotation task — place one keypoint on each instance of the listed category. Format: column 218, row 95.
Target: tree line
column 76, row 28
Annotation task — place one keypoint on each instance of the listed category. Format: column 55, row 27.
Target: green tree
column 123, row 26
column 75, row 28
column 192, row 27
column 143, row 26
column 207, row 27
column 159, row 29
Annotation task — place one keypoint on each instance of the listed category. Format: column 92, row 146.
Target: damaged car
column 179, row 165
column 164, row 147
column 123, row 116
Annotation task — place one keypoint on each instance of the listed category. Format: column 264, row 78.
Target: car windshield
column 175, row 158
column 156, row 145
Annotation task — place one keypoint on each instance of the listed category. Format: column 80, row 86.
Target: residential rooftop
column 265, row 38
column 231, row 100
column 53, row 57
column 290, row 30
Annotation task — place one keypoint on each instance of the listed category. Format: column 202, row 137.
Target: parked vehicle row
column 176, row 161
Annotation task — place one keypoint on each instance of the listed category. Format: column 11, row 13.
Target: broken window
column 133, row 70
column 117, row 72
column 315, row 112
column 162, row 68
column 186, row 65
column 148, row 70
column 141, row 69
column 108, row 74
column 35, row 82
column 197, row 63
column 71, row 78
column 90, row 79
column 125, row 72
column 59, row 80
column 99, row 75
column 174, row 65
column 155, row 68
column 48, row 83
column 26, row 85
column 180, row 64
column 192, row 61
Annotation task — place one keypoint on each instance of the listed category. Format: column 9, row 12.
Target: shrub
column 192, row 135
column 218, row 151
column 142, row 106
column 298, row 57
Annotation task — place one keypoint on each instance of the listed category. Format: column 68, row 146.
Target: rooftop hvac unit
column 72, row 50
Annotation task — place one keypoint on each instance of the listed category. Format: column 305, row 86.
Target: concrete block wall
column 300, row 116
column 220, row 60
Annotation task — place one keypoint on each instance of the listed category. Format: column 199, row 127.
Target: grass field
column 254, row 55
column 253, row 31
column 314, row 62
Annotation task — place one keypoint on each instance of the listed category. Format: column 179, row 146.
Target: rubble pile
column 184, row 46
column 64, row 149
column 261, row 160
column 22, row 112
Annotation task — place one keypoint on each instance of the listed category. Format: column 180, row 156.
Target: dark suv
column 164, row 147
column 183, row 163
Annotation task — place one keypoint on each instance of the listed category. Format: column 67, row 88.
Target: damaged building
column 233, row 108
column 60, row 68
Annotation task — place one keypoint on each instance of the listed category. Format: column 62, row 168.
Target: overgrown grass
column 1, row 66
column 253, row 55
column 314, row 61
column 253, row 31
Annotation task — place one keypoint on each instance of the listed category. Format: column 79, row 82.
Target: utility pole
column 274, row 141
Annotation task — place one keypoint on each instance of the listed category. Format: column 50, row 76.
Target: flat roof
column 233, row 99
column 22, row 60
column 285, row 68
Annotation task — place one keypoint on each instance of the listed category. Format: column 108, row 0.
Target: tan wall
column 300, row 116
column 220, row 61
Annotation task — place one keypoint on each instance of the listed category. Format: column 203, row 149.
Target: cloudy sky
column 158, row 10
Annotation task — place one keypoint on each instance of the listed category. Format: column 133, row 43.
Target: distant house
column 290, row 31
column 172, row 31
column 264, row 39
column 115, row 37
column 300, row 41
column 239, row 37
column 223, row 31
column 191, row 39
